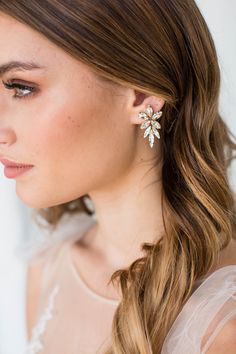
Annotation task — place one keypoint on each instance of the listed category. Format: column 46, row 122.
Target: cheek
column 77, row 149
column 60, row 129
column 73, row 142
column 68, row 133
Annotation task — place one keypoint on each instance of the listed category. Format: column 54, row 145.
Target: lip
column 14, row 169
column 9, row 163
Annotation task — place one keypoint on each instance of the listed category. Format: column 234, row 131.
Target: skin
column 83, row 136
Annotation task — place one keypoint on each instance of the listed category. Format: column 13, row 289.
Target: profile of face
column 76, row 129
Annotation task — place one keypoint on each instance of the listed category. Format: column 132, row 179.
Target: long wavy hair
column 161, row 48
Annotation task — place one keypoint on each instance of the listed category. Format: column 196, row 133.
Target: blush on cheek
column 67, row 126
column 72, row 133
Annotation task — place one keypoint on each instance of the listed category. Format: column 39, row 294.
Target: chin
column 35, row 202
column 42, row 199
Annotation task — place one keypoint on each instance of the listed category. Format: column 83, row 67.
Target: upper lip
column 9, row 163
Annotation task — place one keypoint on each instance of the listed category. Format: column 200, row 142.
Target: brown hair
column 161, row 48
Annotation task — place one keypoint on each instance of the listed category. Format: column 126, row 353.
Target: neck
column 128, row 214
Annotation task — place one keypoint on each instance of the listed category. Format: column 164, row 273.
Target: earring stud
column 150, row 123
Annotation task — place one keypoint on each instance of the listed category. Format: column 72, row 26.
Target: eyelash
column 10, row 85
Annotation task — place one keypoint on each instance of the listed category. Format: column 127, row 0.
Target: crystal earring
column 150, row 122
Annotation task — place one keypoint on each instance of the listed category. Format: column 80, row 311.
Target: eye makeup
column 13, row 84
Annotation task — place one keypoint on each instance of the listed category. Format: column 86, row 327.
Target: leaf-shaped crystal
column 156, row 125
column 151, row 139
column 143, row 115
column 157, row 115
column 149, row 111
column 147, row 131
column 156, row 132
column 145, row 124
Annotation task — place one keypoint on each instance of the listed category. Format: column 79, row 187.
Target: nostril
column 7, row 136
column 3, row 142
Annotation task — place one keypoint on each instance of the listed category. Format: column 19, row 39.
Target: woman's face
column 74, row 128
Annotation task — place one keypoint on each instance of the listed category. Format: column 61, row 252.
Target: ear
column 139, row 102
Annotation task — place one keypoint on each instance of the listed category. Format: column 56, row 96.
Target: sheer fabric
column 204, row 314
column 74, row 319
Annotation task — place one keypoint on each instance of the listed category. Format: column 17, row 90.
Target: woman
column 114, row 119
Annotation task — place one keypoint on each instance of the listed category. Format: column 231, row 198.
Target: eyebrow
column 18, row 66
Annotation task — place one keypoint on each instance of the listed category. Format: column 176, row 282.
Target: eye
column 21, row 88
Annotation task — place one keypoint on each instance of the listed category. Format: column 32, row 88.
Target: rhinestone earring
column 150, row 123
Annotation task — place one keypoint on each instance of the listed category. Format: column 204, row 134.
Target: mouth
column 8, row 163
column 13, row 169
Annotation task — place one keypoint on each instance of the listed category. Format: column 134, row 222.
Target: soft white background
column 16, row 225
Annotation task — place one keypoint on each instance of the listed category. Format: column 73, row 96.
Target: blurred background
column 16, row 221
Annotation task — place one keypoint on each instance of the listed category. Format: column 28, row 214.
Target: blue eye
column 21, row 88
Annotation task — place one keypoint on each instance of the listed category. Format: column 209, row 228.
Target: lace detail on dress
column 35, row 345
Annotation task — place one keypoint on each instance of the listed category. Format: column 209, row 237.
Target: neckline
column 83, row 283
column 115, row 302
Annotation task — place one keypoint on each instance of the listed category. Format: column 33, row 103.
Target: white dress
column 73, row 319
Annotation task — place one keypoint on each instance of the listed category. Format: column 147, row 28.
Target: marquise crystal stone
column 150, row 124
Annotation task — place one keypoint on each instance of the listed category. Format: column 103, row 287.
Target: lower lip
column 12, row 172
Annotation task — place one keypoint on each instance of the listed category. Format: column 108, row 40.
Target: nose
column 7, row 137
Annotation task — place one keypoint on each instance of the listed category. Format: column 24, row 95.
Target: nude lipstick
column 13, row 169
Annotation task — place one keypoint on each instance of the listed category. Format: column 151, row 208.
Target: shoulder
column 225, row 340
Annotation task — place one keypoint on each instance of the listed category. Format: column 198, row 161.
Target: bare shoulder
column 225, row 341
column 34, row 273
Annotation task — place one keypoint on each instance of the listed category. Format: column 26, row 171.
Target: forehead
column 21, row 40
column 24, row 44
